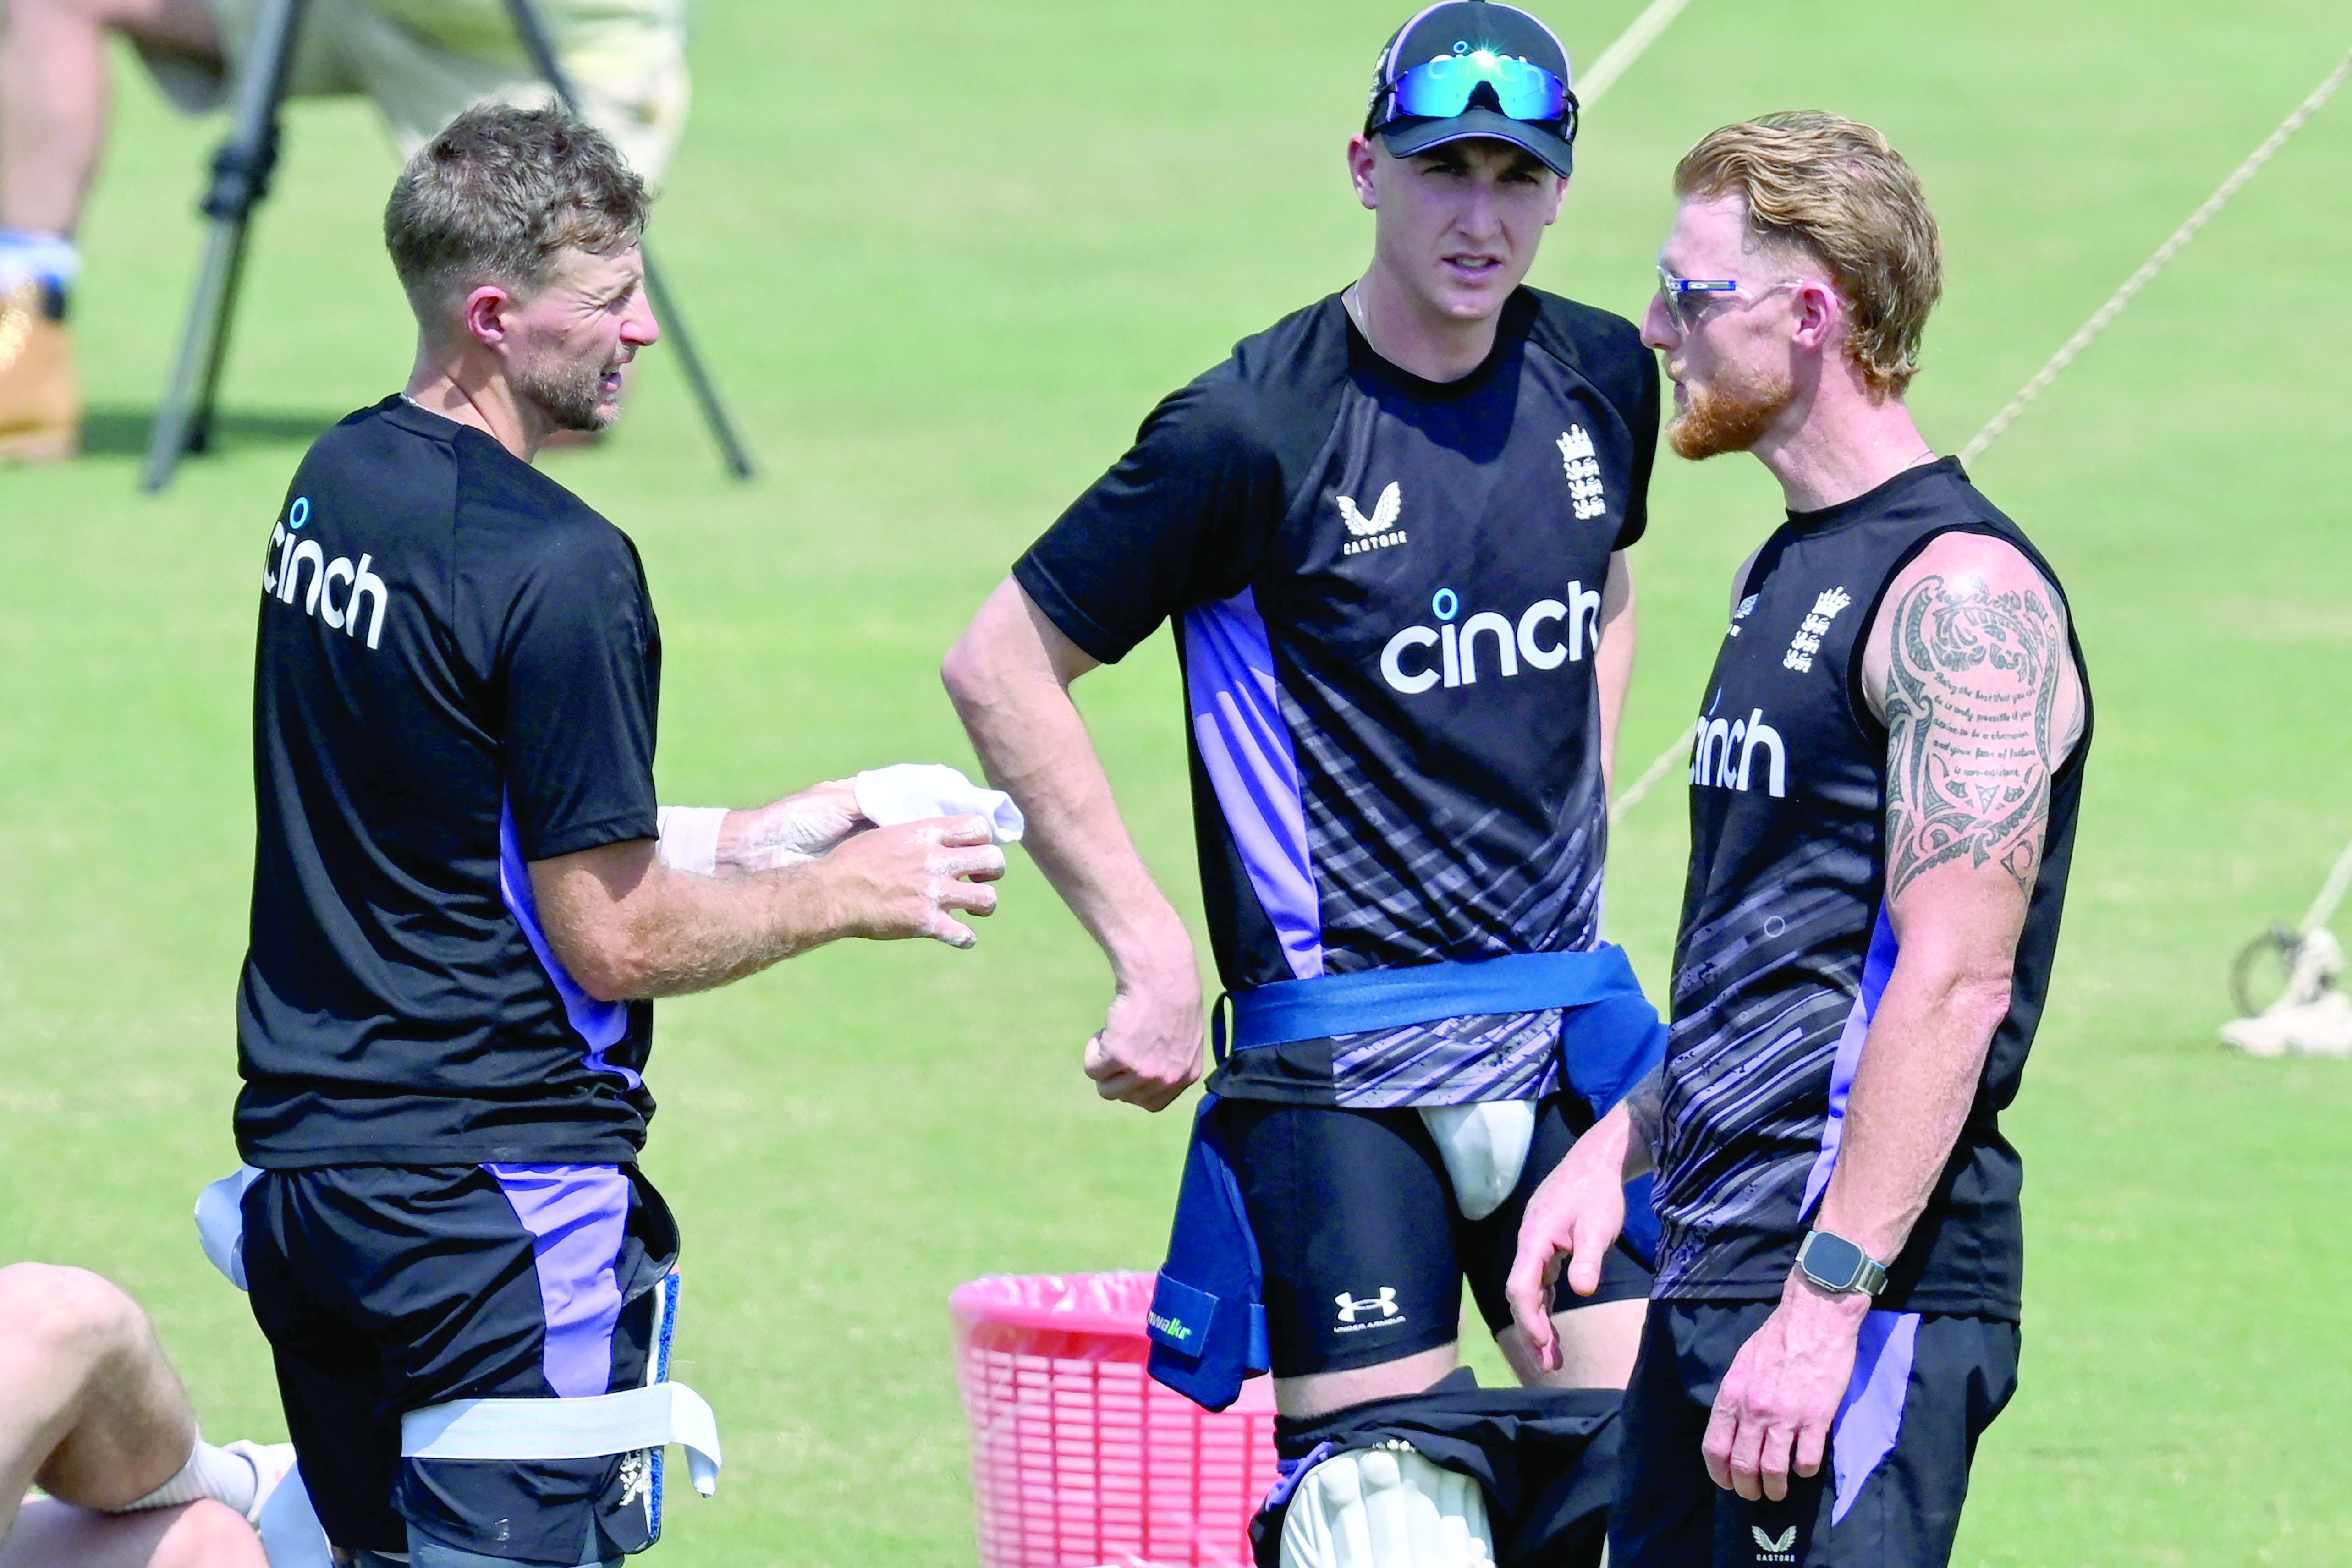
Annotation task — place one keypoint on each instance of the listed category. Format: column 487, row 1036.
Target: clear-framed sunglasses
column 1686, row 298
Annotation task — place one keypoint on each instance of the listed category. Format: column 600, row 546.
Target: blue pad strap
column 1207, row 1322
column 1425, row 993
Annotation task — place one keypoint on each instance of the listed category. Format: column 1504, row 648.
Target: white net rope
column 1619, row 58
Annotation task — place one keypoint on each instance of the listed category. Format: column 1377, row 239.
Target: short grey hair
column 499, row 195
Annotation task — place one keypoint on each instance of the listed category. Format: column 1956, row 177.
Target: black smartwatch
column 1838, row 1266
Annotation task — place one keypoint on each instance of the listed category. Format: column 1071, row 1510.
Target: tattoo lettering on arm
column 1645, row 1110
column 1971, row 692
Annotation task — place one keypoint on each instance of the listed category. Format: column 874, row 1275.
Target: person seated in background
column 91, row 1412
column 423, row 62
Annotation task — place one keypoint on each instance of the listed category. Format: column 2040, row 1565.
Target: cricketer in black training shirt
column 457, row 674
column 1388, row 595
column 1786, row 951
column 1387, row 592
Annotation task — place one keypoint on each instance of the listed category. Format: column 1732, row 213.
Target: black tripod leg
column 176, row 414
column 240, row 179
column 200, row 426
column 540, row 46
column 706, row 391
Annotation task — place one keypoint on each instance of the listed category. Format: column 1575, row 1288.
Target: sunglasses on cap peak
column 1443, row 87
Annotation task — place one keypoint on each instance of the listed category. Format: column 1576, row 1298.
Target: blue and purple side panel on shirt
column 1877, row 967
column 1871, row 1418
column 1235, row 698
column 602, row 1025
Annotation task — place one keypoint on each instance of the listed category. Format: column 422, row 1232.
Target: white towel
column 914, row 791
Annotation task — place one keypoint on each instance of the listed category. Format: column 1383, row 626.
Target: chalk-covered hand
column 913, row 880
column 800, row 827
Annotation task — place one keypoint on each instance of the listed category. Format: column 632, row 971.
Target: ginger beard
column 1732, row 414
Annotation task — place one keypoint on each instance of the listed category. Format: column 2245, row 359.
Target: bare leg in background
column 53, row 94
column 91, row 1411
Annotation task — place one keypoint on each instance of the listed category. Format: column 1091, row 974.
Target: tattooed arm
column 1966, row 663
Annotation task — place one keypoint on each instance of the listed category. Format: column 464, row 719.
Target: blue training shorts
column 387, row 1289
column 1888, row 1494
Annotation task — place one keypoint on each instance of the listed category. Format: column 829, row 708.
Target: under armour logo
column 1384, row 1303
column 1774, row 1548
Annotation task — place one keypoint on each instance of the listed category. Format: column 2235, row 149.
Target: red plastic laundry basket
column 1080, row 1460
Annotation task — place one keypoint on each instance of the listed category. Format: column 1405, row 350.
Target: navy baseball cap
column 1467, row 69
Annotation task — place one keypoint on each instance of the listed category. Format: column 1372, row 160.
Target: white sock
column 216, row 1473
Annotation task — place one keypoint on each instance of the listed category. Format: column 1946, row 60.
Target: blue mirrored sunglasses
column 1443, row 87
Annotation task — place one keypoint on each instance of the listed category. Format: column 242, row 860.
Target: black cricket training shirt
column 1786, row 946
column 1387, row 592
column 457, row 674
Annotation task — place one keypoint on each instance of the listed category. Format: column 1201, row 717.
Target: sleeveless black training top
column 1786, row 947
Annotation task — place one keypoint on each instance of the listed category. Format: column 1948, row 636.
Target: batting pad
column 1386, row 1507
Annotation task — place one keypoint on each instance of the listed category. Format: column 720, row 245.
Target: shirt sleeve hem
column 1072, row 621
column 621, row 830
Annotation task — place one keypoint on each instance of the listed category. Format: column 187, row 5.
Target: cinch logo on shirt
column 1720, row 741
column 293, row 552
column 1457, row 646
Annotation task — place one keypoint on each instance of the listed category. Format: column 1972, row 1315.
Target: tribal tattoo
column 1971, row 696
column 1645, row 1110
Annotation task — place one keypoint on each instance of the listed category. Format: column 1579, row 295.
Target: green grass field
column 944, row 260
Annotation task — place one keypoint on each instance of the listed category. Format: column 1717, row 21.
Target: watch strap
column 1865, row 1274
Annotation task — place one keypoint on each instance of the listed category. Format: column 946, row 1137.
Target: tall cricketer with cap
column 1391, row 531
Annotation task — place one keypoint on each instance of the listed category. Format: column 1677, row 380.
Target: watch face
column 1833, row 1262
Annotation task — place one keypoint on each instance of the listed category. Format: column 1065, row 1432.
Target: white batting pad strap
column 291, row 1536
column 220, row 1223
column 585, row 1428
column 1485, row 1148
column 690, row 838
column 914, row 791
column 1386, row 1508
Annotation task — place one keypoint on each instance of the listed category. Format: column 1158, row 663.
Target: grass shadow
column 121, row 430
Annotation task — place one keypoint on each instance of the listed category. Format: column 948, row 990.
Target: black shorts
column 1364, row 1248
column 1887, row 1496
column 387, row 1289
